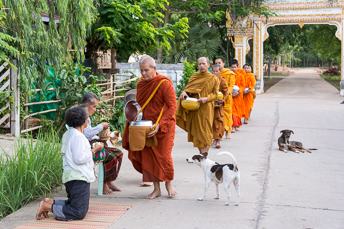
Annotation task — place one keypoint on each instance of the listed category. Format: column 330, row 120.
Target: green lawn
column 332, row 79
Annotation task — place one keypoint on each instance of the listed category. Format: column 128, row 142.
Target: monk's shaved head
column 146, row 59
column 203, row 64
column 147, row 67
column 203, row 58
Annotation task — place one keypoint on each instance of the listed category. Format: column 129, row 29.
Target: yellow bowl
column 219, row 96
column 190, row 104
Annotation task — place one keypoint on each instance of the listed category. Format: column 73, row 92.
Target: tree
column 303, row 45
column 207, row 19
column 49, row 33
column 327, row 46
column 134, row 27
column 7, row 42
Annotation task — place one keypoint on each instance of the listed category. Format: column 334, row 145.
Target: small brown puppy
column 284, row 144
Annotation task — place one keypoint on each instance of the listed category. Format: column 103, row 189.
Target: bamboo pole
column 30, row 129
column 43, row 102
column 38, row 113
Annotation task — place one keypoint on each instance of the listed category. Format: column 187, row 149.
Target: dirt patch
column 269, row 82
column 7, row 145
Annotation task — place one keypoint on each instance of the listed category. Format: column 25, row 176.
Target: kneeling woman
column 78, row 170
column 114, row 156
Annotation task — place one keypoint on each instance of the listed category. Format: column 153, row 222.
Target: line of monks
column 213, row 117
column 216, row 117
column 238, row 87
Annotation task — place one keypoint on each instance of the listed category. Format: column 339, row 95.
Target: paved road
column 278, row 190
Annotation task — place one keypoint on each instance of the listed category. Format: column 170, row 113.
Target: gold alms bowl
column 190, row 104
column 219, row 96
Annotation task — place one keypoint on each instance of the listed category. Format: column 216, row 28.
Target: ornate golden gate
column 288, row 12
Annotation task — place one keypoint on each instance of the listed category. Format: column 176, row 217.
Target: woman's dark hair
column 76, row 116
column 89, row 98
column 246, row 65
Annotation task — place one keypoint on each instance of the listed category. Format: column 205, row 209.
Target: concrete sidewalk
column 278, row 190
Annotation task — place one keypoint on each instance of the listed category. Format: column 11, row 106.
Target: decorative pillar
column 258, row 40
column 342, row 59
column 241, row 49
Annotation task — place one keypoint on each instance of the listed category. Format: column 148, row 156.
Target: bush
column 33, row 171
column 333, row 71
column 189, row 69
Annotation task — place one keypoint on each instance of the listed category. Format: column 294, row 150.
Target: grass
column 33, row 171
column 285, row 73
column 332, row 79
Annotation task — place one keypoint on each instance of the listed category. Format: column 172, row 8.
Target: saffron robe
column 156, row 162
column 238, row 101
column 218, row 125
column 199, row 123
column 229, row 77
column 249, row 97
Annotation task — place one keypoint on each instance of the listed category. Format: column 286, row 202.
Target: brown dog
column 284, row 144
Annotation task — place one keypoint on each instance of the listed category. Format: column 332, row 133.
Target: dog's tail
column 230, row 155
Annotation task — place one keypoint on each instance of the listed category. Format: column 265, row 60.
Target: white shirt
column 90, row 132
column 77, row 157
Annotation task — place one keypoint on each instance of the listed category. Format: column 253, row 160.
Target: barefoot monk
column 199, row 123
column 155, row 160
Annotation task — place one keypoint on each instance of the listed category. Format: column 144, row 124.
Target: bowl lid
column 191, row 99
column 131, row 110
column 130, row 95
column 141, row 123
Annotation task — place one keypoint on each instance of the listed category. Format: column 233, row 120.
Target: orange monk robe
column 238, row 101
column 156, row 163
column 218, row 125
column 229, row 77
column 199, row 123
column 249, row 97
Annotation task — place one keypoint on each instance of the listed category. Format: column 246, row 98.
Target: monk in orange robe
column 249, row 94
column 218, row 125
column 155, row 162
column 199, row 123
column 229, row 76
column 238, row 100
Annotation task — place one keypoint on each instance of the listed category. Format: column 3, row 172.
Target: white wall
column 174, row 71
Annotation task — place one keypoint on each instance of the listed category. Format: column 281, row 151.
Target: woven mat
column 100, row 215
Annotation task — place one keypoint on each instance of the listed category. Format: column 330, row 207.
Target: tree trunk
column 159, row 53
column 113, row 58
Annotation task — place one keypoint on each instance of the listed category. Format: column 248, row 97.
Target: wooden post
column 113, row 67
column 15, row 106
column 100, row 178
